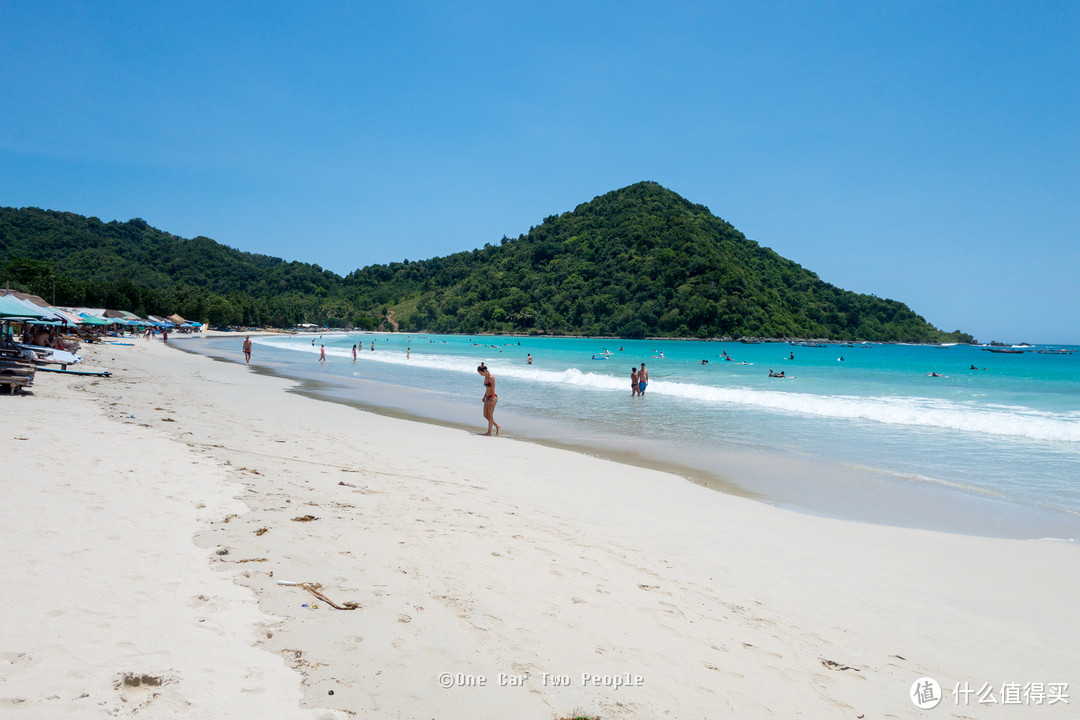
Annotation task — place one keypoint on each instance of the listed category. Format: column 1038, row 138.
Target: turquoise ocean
column 862, row 432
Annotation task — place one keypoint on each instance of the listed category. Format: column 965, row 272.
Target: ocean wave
column 908, row 411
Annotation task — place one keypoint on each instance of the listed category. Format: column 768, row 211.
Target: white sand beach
column 150, row 518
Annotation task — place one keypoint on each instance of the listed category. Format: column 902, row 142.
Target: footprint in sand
column 671, row 609
column 140, row 689
column 18, row 658
column 735, row 675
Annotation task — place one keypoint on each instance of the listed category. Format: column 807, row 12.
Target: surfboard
column 92, row 373
column 52, row 355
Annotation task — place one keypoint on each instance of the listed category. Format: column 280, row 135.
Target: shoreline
column 836, row 489
column 478, row 556
column 306, row 388
column 725, row 338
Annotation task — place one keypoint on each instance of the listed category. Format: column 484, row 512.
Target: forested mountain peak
column 637, row 261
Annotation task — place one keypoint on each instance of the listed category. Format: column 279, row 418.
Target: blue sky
column 926, row 152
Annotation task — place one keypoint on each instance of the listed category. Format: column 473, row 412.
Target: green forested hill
column 131, row 266
column 635, row 262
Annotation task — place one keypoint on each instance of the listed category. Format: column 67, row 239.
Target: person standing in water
column 490, row 398
column 322, row 353
column 634, row 382
column 247, row 350
column 643, row 379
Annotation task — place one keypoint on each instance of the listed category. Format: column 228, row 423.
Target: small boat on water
column 1004, row 350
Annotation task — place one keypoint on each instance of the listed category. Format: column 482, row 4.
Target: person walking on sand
column 643, row 379
column 490, row 398
column 247, row 350
column 322, row 353
column 634, row 382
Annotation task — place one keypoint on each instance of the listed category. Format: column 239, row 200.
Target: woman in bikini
column 490, row 398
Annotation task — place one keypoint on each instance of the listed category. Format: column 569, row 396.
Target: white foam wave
column 908, row 411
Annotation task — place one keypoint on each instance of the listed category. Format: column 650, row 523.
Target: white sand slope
column 109, row 608
column 513, row 569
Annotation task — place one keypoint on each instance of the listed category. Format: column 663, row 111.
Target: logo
column 925, row 693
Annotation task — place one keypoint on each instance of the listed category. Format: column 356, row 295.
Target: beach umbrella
column 72, row 319
column 16, row 309
column 10, row 307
